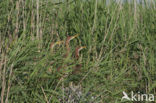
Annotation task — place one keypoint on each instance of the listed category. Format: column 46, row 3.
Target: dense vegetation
column 120, row 54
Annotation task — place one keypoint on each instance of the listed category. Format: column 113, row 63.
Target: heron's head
column 71, row 37
column 78, row 49
column 52, row 45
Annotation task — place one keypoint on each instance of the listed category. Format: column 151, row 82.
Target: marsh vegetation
column 120, row 53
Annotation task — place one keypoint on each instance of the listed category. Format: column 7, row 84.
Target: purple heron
column 52, row 45
column 77, row 50
column 77, row 53
column 67, row 45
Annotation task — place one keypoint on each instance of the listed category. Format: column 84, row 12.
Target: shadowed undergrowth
column 120, row 54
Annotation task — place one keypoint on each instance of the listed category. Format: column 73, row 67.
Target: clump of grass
column 120, row 54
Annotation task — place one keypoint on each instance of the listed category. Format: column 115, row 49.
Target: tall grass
column 120, row 54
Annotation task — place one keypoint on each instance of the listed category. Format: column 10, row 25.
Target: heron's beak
column 59, row 42
column 82, row 47
column 52, row 45
column 75, row 36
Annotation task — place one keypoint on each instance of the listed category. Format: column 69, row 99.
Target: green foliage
column 120, row 54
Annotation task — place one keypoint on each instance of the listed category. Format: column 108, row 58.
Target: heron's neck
column 77, row 54
column 67, row 48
